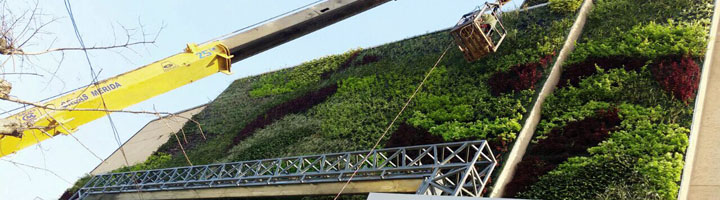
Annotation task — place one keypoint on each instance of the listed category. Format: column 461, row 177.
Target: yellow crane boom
column 117, row 92
column 196, row 62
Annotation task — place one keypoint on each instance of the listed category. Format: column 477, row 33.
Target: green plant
column 651, row 150
column 580, row 178
column 647, row 41
column 610, row 18
column 565, row 6
column 76, row 186
column 615, row 86
column 274, row 140
column 303, row 75
column 629, row 191
column 533, row 2
column 576, row 114
column 156, row 160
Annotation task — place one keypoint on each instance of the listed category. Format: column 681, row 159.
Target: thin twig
column 160, row 114
column 54, row 73
column 182, row 149
column 21, row 73
column 38, row 168
column 169, row 127
column 80, row 48
column 187, row 158
column 68, row 131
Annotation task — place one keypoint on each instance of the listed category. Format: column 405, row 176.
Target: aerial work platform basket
column 480, row 32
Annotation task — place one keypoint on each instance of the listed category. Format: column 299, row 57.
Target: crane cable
column 377, row 143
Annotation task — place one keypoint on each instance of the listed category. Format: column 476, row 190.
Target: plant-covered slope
column 644, row 66
column 371, row 86
column 292, row 111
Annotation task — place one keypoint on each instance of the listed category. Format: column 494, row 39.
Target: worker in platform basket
column 489, row 20
column 488, row 23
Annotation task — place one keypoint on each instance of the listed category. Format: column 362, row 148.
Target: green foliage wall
column 644, row 157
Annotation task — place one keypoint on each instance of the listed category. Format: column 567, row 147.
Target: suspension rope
column 377, row 143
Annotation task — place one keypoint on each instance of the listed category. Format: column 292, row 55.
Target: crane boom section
column 162, row 76
column 117, row 93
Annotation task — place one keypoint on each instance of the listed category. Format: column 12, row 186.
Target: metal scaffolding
column 448, row 169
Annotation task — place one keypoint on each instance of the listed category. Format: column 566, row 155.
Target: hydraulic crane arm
column 277, row 32
column 196, row 62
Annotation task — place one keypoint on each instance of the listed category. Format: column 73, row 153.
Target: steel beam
column 449, row 169
column 266, row 36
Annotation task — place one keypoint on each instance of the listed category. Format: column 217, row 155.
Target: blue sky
column 185, row 21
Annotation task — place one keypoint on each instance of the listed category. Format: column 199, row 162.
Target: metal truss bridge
column 448, row 169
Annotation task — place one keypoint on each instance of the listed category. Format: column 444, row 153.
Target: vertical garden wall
column 617, row 126
column 344, row 102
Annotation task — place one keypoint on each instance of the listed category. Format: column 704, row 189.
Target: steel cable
column 377, row 143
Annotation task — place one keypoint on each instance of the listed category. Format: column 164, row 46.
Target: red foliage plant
column 66, row 195
column 562, row 143
column 407, row 135
column 367, row 59
column 678, row 75
column 545, row 61
column 519, row 77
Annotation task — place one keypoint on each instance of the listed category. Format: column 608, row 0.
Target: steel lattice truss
column 449, row 169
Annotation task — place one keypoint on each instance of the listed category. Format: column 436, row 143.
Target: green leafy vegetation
column 565, row 6
column 652, row 150
column 153, row 162
column 275, row 140
column 648, row 41
column 302, row 76
column 643, row 65
column 529, row 3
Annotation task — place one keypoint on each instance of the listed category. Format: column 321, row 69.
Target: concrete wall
column 386, row 196
column 146, row 141
column 356, row 187
column 701, row 174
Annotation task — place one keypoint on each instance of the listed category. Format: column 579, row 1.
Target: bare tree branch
column 187, row 158
column 71, row 135
column 37, row 168
column 53, row 75
column 13, row 43
column 126, row 45
column 159, row 114
column 22, row 73
column 30, row 21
